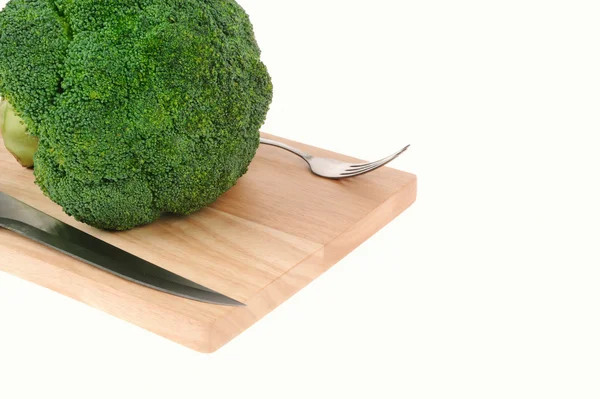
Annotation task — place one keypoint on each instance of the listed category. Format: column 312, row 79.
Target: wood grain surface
column 276, row 231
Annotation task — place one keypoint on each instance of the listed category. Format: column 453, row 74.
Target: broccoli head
column 141, row 107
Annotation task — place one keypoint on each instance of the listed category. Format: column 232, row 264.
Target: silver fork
column 332, row 168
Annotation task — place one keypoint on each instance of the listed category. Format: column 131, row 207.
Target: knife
column 46, row 230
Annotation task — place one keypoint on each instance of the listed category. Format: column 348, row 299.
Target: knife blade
column 46, row 230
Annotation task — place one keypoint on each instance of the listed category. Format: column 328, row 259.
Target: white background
column 488, row 287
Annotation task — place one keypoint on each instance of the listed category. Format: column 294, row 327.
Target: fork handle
column 285, row 147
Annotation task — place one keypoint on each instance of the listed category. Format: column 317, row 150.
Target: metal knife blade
column 44, row 229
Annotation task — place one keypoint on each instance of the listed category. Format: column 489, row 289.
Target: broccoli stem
column 16, row 139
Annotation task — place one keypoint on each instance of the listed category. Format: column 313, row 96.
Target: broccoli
column 141, row 107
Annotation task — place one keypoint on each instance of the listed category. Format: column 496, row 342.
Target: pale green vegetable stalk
column 16, row 139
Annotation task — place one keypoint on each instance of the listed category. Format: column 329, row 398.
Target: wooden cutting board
column 277, row 230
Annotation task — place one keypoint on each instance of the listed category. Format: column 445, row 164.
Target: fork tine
column 361, row 165
column 370, row 165
column 376, row 165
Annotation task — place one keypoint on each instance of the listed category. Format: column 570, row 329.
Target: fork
column 332, row 168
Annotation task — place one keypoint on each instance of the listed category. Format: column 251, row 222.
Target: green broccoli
column 141, row 107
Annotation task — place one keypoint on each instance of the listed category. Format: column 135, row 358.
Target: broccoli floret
column 141, row 107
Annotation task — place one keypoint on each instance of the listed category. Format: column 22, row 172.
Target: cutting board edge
column 45, row 271
column 345, row 243
column 265, row 301
column 232, row 324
